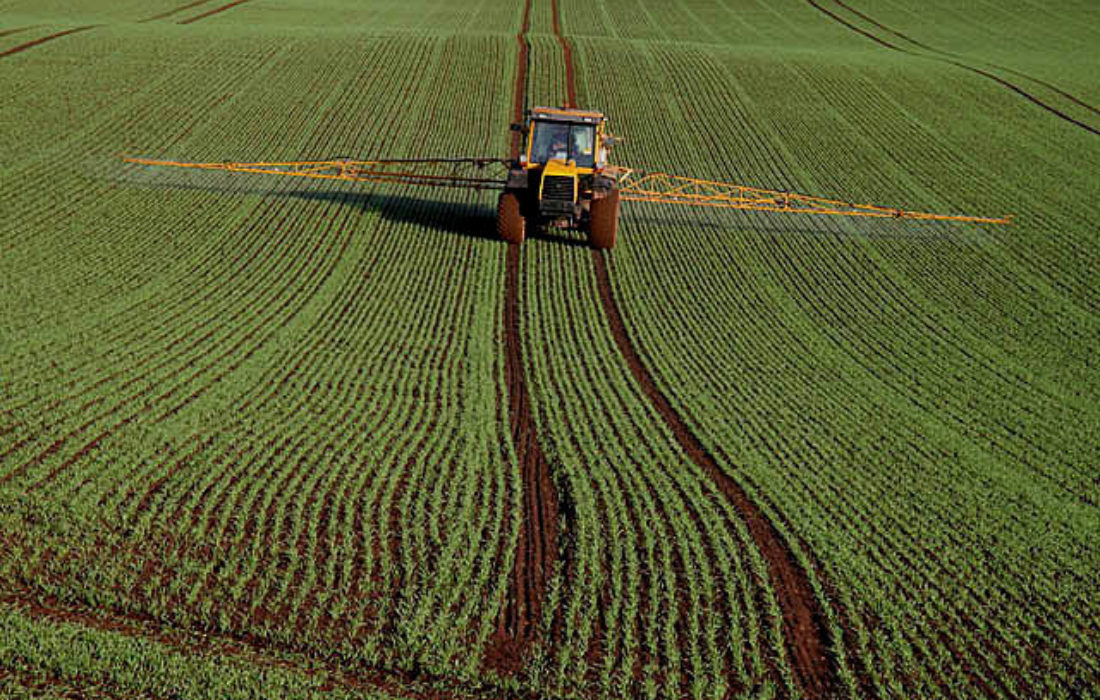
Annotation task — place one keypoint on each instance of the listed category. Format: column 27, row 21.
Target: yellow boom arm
column 434, row 172
column 673, row 189
column 646, row 187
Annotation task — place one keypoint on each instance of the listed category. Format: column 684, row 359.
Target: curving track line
column 43, row 40
column 216, row 10
column 171, row 12
column 17, row 30
column 260, row 652
column 804, row 621
column 951, row 61
column 804, row 630
column 567, row 53
column 871, row 20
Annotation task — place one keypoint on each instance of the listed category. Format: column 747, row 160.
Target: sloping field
column 261, row 439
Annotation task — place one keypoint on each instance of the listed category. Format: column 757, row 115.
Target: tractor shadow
column 476, row 220
column 468, row 219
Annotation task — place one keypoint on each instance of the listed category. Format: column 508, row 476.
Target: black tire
column 603, row 221
column 511, row 226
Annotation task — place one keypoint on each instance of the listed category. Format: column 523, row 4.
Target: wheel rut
column 871, row 20
column 803, row 626
column 17, row 30
column 175, row 10
column 537, row 548
column 216, row 10
column 43, row 40
column 954, row 62
column 261, row 652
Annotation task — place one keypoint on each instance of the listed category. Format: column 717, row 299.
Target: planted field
column 274, row 437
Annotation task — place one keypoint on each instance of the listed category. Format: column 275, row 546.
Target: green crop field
column 269, row 437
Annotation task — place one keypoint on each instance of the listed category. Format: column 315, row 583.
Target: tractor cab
column 571, row 136
column 560, row 174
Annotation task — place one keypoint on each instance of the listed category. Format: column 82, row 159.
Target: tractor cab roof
column 569, row 116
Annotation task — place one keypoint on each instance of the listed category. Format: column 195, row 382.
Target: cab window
column 556, row 141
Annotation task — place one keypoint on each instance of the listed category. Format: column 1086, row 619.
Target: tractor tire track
column 538, row 536
column 959, row 64
column 216, row 10
column 567, row 52
column 43, row 40
column 17, row 30
column 537, row 550
column 177, row 10
column 71, row 686
column 1054, row 88
column 803, row 625
column 259, row 652
column 804, row 622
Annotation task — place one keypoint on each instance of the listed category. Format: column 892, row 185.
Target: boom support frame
column 633, row 185
column 431, row 172
column 663, row 188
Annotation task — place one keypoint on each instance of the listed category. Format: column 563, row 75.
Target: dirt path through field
column 538, row 535
column 803, row 626
column 567, row 53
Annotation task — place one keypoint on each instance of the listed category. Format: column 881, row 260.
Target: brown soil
column 43, row 40
column 567, row 51
column 538, row 535
column 216, row 10
column 979, row 71
column 803, row 624
column 511, row 226
column 604, row 221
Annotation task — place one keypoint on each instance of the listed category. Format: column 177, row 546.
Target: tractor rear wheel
column 511, row 226
column 603, row 221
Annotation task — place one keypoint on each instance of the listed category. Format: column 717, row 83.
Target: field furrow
column 313, row 436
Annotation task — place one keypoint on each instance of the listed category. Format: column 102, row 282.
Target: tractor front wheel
column 603, row 221
column 511, row 226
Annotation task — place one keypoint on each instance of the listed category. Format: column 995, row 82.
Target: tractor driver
column 551, row 142
column 558, row 148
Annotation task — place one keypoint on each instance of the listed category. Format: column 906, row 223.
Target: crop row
column 658, row 589
column 889, row 429
column 659, row 593
column 299, row 411
column 193, row 291
column 1012, row 40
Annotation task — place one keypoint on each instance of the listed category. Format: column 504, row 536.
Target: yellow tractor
column 562, row 178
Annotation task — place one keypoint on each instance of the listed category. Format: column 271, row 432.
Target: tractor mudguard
column 517, row 179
